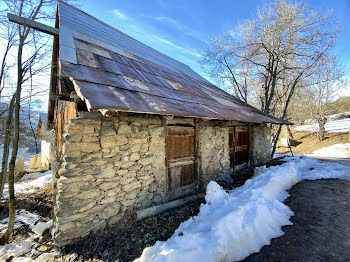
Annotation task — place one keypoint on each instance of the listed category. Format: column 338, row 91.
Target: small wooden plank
column 241, row 129
column 180, row 121
column 33, row 24
column 181, row 163
column 65, row 97
column 241, row 148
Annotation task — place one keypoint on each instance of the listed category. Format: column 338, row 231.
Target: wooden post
column 196, row 146
column 164, row 124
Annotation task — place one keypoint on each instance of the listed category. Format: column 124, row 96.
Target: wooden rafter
column 33, row 24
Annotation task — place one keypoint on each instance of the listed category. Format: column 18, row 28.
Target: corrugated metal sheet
column 114, row 71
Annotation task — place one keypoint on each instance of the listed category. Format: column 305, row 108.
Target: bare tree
column 32, row 10
column 281, row 45
column 327, row 81
column 9, row 35
column 229, row 70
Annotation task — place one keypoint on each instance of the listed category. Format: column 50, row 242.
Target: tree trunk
column 29, row 114
column 290, row 135
column 322, row 130
column 5, row 154
column 275, row 140
column 12, row 204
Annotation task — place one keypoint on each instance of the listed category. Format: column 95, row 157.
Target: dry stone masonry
column 260, row 144
column 213, row 152
column 109, row 167
column 113, row 166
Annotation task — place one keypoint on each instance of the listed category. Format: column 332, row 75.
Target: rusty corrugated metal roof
column 111, row 70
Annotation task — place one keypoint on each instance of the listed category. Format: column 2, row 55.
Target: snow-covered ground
column 35, row 223
column 333, row 125
column 39, row 180
column 232, row 225
column 337, row 150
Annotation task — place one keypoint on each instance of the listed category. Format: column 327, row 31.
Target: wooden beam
column 32, row 24
column 65, row 97
column 151, row 211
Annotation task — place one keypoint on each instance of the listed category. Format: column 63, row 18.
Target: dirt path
column 321, row 225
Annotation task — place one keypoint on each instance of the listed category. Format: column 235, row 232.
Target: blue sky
column 182, row 29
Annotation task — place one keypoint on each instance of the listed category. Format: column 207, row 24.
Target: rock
column 110, row 211
column 107, row 131
column 124, row 147
column 83, row 147
column 73, row 138
column 106, row 172
column 124, row 129
column 79, row 129
column 139, row 141
column 126, row 165
column 107, row 200
column 113, row 141
column 88, row 186
column 89, row 194
column 125, row 158
column 122, row 172
column 127, row 180
column 131, row 195
column 135, row 148
column 134, row 157
column 144, row 148
column 99, row 162
column 146, row 161
column 113, row 191
column 113, row 220
column 129, row 202
column 135, row 167
column 131, row 186
column 45, row 257
column 89, row 139
column 106, row 186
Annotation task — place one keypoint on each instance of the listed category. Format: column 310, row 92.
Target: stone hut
column 135, row 131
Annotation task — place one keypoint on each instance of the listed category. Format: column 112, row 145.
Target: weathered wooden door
column 239, row 146
column 181, row 154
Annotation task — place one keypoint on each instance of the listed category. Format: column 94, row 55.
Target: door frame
column 182, row 190
column 233, row 147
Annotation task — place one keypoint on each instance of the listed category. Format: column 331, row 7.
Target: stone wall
column 114, row 166
column 260, row 145
column 110, row 167
column 213, row 153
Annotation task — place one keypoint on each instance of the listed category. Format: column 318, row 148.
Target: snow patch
column 341, row 125
column 22, row 218
column 39, row 181
column 337, row 150
column 232, row 225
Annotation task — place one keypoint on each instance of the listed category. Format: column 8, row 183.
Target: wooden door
column 239, row 146
column 181, row 156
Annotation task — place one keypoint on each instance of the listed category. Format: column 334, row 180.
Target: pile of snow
column 337, row 150
column 332, row 126
column 35, row 223
column 39, row 181
column 232, row 225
